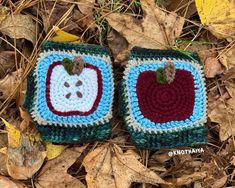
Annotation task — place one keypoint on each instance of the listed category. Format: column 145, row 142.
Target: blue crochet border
column 104, row 104
column 199, row 111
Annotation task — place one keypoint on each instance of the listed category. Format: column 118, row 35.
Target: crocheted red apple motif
column 68, row 95
column 166, row 102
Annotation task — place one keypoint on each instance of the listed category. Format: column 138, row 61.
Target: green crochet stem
column 161, row 76
column 68, row 65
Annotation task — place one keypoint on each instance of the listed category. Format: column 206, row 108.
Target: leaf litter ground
column 180, row 24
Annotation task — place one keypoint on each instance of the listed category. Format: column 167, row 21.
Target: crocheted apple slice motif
column 166, row 102
column 72, row 94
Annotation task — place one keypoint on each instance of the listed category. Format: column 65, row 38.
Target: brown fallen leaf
column 54, row 172
column 53, row 12
column 187, row 179
column 227, row 58
column 223, row 115
column 19, row 26
column 157, row 29
column 220, row 182
column 9, row 83
column 118, row 45
column 108, row 165
column 7, row 183
column 7, row 62
column 184, row 8
column 3, row 167
column 3, row 156
column 25, row 160
column 212, row 67
column 86, row 8
column 3, row 12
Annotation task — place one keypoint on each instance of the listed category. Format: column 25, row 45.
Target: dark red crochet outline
column 71, row 113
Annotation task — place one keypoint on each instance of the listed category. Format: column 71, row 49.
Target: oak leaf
column 157, row 29
column 109, row 165
column 54, row 172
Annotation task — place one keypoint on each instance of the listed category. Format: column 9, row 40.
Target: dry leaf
column 7, row 62
column 54, row 172
column 25, row 160
column 118, row 45
column 187, row 179
column 13, row 134
column 3, row 167
column 86, row 8
column 19, row 26
column 227, row 58
column 3, row 12
column 3, row 156
column 219, row 16
column 53, row 150
column 108, row 165
column 220, row 182
column 26, row 119
column 184, row 8
column 53, row 14
column 157, row 29
column 9, row 84
column 223, row 115
column 62, row 36
column 212, row 67
column 7, row 183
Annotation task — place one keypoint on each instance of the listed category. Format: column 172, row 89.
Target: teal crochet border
column 87, row 49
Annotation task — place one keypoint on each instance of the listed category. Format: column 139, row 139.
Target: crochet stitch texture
column 71, row 108
column 164, row 115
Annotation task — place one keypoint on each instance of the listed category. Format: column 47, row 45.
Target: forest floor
column 205, row 27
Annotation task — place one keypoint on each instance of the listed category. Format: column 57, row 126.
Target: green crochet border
column 88, row 49
column 144, row 53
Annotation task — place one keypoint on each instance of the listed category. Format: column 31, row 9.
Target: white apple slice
column 63, row 90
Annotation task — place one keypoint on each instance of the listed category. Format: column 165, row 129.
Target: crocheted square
column 164, row 115
column 71, row 103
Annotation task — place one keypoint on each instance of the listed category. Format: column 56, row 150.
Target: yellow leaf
column 219, row 16
column 62, row 36
column 53, row 150
column 3, row 150
column 13, row 135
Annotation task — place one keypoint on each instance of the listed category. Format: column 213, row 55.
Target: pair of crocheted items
column 70, row 96
column 164, row 115
column 71, row 101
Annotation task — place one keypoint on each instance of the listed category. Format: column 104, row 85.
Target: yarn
column 164, row 115
column 71, row 104
column 165, row 102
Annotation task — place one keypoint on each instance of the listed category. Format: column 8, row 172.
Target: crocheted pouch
column 164, row 115
column 70, row 93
